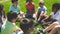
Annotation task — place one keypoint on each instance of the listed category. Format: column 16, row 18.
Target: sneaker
column 40, row 31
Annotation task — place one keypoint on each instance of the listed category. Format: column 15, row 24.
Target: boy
column 9, row 26
column 30, row 9
column 41, row 14
column 27, row 26
column 55, row 15
column 14, row 7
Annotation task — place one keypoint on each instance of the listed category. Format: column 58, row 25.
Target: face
column 30, row 1
column 41, row 5
column 14, row 20
column 15, row 4
column 3, row 10
column 54, row 9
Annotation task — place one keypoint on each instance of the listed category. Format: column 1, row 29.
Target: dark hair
column 14, row 1
column 30, row 0
column 11, row 15
column 56, row 5
column 41, row 3
column 26, row 24
column 1, row 8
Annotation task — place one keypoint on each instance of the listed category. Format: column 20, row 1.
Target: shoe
column 41, row 31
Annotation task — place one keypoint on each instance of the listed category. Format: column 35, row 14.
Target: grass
column 22, row 3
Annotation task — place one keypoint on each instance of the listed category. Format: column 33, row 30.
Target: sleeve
column 45, row 8
column 19, row 7
column 51, row 13
column 57, row 17
column 38, row 9
column 10, row 9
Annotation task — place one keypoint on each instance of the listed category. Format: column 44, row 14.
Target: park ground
column 22, row 3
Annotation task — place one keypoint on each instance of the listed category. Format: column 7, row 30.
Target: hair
column 1, row 8
column 11, row 15
column 14, row 1
column 41, row 3
column 26, row 24
column 30, row 0
column 56, row 5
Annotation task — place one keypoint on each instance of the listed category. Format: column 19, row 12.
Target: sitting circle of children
column 51, row 23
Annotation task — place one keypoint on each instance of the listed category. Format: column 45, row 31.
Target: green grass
column 22, row 3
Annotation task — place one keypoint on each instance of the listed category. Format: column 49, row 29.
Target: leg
column 38, row 14
column 51, row 27
column 55, row 30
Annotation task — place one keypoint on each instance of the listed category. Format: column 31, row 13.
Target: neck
column 14, row 6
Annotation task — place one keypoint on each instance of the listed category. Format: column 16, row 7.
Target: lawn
column 22, row 3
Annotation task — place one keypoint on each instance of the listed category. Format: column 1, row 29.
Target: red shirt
column 30, row 7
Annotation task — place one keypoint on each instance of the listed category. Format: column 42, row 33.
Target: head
column 55, row 7
column 27, row 26
column 15, row 3
column 12, row 17
column 30, row 1
column 1, row 8
column 41, row 4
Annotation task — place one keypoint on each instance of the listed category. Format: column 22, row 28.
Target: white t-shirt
column 56, row 16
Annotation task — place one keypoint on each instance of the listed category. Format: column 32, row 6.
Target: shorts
column 27, row 15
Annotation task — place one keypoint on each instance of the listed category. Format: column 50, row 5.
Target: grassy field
column 22, row 3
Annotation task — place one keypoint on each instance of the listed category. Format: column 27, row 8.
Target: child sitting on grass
column 41, row 14
column 30, row 7
column 14, row 7
column 9, row 26
column 55, row 15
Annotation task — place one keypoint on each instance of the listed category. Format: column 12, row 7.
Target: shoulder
column 33, row 3
column 45, row 7
column 27, row 3
column 58, row 12
column 18, row 6
column 38, row 7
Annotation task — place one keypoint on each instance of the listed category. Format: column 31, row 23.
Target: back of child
column 27, row 26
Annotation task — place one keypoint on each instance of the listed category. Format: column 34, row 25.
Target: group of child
column 7, row 22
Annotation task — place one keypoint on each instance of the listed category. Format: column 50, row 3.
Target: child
column 27, row 26
column 55, row 15
column 14, row 7
column 2, row 16
column 9, row 26
column 30, row 9
column 41, row 11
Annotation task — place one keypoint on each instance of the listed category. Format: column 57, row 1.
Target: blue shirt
column 42, row 9
column 16, row 10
